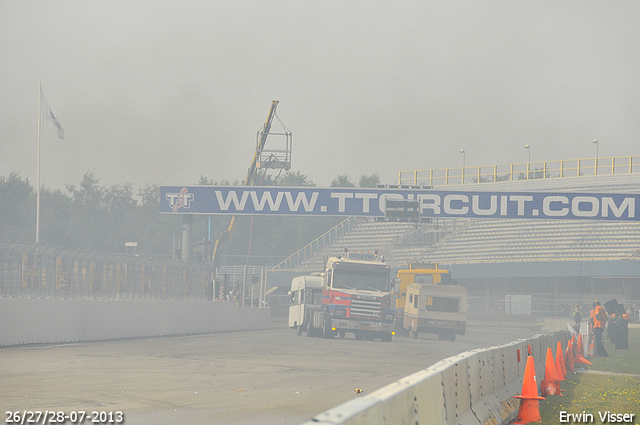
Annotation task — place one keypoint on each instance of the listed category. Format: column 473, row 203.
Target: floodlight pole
column 596, row 167
column 528, row 148
column 38, row 164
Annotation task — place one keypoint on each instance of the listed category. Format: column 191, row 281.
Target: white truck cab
column 351, row 295
column 305, row 291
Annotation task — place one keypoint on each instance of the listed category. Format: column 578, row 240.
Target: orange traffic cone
column 569, row 344
column 529, row 405
column 529, row 349
column 580, row 345
column 550, row 385
column 560, row 368
column 569, row 357
column 579, row 357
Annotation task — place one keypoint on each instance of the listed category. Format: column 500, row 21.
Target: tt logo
column 179, row 200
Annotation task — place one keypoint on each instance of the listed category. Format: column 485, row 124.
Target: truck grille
column 365, row 308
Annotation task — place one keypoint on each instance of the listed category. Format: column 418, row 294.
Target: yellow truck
column 427, row 301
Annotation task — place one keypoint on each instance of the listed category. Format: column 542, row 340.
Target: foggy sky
column 166, row 91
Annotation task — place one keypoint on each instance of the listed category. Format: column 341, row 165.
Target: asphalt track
column 251, row 377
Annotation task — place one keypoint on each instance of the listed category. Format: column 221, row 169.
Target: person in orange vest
column 599, row 317
column 591, row 316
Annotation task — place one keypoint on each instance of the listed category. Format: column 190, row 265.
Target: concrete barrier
column 34, row 320
column 419, row 397
column 473, row 388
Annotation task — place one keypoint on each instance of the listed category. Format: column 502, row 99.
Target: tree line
column 96, row 217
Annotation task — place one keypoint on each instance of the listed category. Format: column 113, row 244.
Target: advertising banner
column 261, row 200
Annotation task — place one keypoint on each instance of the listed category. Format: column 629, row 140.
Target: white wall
column 27, row 320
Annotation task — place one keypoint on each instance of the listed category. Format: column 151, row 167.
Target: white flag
column 48, row 114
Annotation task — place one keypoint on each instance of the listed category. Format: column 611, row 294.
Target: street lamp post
column 595, row 172
column 528, row 148
column 463, row 163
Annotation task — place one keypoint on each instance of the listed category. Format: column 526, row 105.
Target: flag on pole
column 47, row 113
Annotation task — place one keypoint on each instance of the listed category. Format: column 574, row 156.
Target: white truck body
column 439, row 309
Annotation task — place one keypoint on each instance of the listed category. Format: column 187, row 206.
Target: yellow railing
column 522, row 171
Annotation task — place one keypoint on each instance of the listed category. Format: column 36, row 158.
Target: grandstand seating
column 539, row 240
column 453, row 241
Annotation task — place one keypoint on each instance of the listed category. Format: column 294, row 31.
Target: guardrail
column 37, row 271
column 472, row 388
column 521, row 171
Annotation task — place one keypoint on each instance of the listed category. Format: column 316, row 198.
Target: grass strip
column 621, row 361
column 590, row 394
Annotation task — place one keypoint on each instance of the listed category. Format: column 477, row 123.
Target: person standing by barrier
column 577, row 315
column 612, row 328
column 599, row 316
column 622, row 338
column 591, row 318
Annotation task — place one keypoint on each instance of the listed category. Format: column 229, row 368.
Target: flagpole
column 38, row 165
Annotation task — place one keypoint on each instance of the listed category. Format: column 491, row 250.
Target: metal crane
column 252, row 173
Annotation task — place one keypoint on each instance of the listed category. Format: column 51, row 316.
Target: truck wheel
column 311, row 331
column 327, row 332
column 342, row 334
column 413, row 334
column 299, row 330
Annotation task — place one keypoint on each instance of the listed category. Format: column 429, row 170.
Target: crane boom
column 249, row 180
column 251, row 173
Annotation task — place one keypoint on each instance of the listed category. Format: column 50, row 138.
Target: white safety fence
column 518, row 304
column 472, row 388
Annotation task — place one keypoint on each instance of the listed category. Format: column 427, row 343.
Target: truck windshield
column 375, row 280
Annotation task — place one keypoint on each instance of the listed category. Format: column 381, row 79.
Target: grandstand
column 560, row 262
column 453, row 241
column 538, row 240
